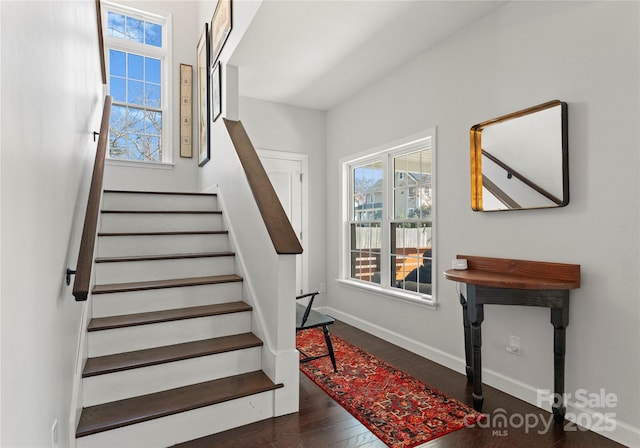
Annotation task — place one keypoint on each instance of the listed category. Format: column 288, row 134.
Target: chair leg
column 327, row 339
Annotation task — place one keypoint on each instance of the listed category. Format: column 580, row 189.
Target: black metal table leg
column 475, row 314
column 560, row 320
column 467, row 340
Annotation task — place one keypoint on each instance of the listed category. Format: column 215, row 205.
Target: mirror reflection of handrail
column 499, row 193
column 87, row 242
column 520, row 177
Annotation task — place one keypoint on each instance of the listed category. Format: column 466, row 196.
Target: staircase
column 171, row 355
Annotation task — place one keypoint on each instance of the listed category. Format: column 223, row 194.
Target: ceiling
column 317, row 53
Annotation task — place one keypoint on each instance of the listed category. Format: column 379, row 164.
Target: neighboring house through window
column 136, row 49
column 388, row 196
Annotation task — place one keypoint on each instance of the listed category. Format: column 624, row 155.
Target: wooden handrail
column 103, row 63
column 87, row 243
column 278, row 226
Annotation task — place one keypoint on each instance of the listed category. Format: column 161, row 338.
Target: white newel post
column 286, row 367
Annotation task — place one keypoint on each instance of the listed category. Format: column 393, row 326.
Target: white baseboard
column 615, row 430
column 433, row 354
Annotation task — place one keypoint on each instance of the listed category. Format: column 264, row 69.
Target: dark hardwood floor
column 321, row 422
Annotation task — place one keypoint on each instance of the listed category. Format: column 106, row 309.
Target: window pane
column 118, row 130
column 412, row 185
column 118, row 89
column 153, row 123
column 155, row 148
column 134, row 29
column 117, row 63
column 136, row 66
column 401, row 201
column 152, row 95
column 153, row 34
column 365, row 253
column 135, row 92
column 424, row 200
column 145, row 148
column 367, row 192
column 411, row 256
column 115, row 25
column 400, row 169
column 152, row 70
column 366, row 236
column 136, row 120
column 137, row 146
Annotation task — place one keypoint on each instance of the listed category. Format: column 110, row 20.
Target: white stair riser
column 159, row 222
column 131, row 201
column 116, row 304
column 123, row 246
column 119, row 340
column 130, row 383
column 189, row 425
column 138, row 271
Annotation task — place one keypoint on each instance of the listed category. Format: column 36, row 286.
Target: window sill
column 421, row 300
column 140, row 164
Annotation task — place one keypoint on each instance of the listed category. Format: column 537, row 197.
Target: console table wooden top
column 516, row 274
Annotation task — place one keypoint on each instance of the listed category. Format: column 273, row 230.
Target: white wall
column 183, row 175
column 51, row 101
column 242, row 14
column 523, row 54
column 292, row 129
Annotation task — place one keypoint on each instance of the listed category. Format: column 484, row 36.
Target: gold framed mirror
column 520, row 160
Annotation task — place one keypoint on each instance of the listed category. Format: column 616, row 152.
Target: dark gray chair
column 306, row 318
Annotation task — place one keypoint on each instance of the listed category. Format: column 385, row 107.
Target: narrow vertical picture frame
column 220, row 27
column 204, row 111
column 186, row 110
column 216, row 92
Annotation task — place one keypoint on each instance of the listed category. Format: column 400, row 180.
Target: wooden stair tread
column 164, row 257
column 160, row 284
column 177, row 193
column 153, row 317
column 162, row 233
column 103, row 417
column 158, row 355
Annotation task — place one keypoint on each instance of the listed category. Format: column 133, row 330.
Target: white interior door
column 286, row 172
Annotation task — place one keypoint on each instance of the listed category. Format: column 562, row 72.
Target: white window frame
column 386, row 153
column 164, row 54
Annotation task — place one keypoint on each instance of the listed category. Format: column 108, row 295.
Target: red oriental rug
column 400, row 410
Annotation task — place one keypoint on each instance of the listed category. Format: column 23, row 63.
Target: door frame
column 304, row 166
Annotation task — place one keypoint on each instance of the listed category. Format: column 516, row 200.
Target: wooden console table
column 499, row 281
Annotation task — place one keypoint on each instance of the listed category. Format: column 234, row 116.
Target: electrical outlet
column 514, row 345
column 323, row 287
column 54, row 434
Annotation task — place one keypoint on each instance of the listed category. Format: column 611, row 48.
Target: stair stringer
column 273, row 302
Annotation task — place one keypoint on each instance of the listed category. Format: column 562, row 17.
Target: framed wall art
column 220, row 27
column 216, row 92
column 186, row 110
column 203, row 97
